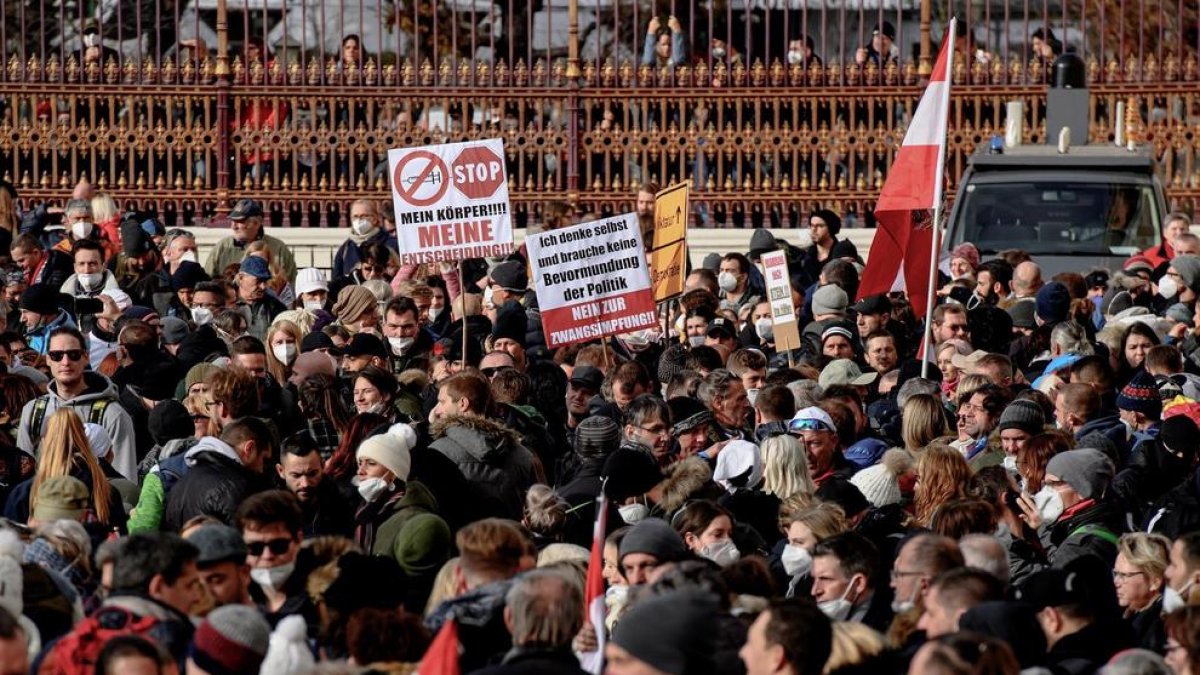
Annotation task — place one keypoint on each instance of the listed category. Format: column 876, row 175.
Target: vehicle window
column 1059, row 217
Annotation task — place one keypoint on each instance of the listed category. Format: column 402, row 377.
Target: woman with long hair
column 65, row 451
column 942, row 476
column 1033, row 457
column 804, row 524
column 343, row 465
column 283, row 346
column 785, row 468
column 1135, row 344
column 326, row 412
column 707, row 529
column 922, row 422
column 375, row 392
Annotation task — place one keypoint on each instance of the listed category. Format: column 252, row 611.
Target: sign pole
column 462, row 293
column 604, row 350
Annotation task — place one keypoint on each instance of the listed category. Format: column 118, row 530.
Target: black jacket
column 1177, row 511
column 1152, row 472
column 1094, row 532
column 327, row 513
column 521, row 661
column 215, row 485
column 1086, row 651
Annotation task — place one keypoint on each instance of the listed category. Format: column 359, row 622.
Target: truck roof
column 1101, row 157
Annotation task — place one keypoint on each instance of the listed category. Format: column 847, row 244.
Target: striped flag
column 902, row 253
column 593, row 593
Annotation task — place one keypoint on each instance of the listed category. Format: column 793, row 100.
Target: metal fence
column 769, row 107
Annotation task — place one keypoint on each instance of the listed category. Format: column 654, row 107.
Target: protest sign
column 779, row 294
column 591, row 280
column 451, row 201
column 668, row 251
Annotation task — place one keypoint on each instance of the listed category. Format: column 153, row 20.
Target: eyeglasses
column 900, row 574
column 658, row 429
column 57, row 355
column 1125, row 576
column 807, row 424
column 199, row 418
column 277, row 546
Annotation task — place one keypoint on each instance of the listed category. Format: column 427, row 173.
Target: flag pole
column 938, row 188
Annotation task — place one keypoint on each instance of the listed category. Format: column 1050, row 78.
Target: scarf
column 361, row 239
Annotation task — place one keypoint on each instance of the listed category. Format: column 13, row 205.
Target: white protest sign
column 451, row 201
column 592, row 280
column 779, row 294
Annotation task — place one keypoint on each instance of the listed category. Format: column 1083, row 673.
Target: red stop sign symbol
column 477, row 172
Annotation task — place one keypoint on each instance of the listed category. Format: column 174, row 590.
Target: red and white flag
column 593, row 592
column 902, row 253
column 442, row 656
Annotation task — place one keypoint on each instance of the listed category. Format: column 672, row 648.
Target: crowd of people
column 238, row 466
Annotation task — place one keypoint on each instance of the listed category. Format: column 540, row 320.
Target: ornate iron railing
column 185, row 130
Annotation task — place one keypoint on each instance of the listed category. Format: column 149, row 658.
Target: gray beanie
column 231, row 639
column 1024, row 415
column 712, row 261
column 762, row 241
column 1188, row 267
column 674, row 632
column 1087, row 470
column 829, row 299
column 655, row 537
column 597, row 436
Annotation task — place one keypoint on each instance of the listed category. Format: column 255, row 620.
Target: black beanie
column 629, row 473
column 40, row 299
column 169, row 421
column 511, row 323
column 674, row 632
column 831, row 219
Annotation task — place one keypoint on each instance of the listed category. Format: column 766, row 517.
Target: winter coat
column 498, row 468
column 1093, row 531
column 39, row 339
column 17, row 508
column 482, row 635
column 1148, row 629
column 1178, row 511
column 349, row 254
column 1152, row 472
column 327, row 513
column 215, row 485
column 520, row 661
column 114, row 420
column 1085, row 651
column 260, row 313
column 1108, row 435
column 228, row 252
column 408, row 529
column 73, row 288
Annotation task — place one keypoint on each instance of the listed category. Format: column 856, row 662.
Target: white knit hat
column 879, row 483
column 288, row 653
column 389, row 450
column 311, row 279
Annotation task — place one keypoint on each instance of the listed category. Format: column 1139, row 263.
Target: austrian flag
column 903, row 252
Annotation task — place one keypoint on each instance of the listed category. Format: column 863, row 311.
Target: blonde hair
column 445, row 586
column 104, row 208
column 278, row 280
column 1149, row 553
column 545, row 511
column 278, row 369
column 824, row 519
column 785, row 468
column 64, row 445
column 853, row 643
column 922, row 420
column 967, row 384
column 942, row 476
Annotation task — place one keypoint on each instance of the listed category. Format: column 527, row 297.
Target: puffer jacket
column 215, row 485
column 408, row 529
column 491, row 458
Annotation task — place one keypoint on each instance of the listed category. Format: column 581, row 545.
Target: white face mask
column 1049, row 505
column 400, row 345
column 188, row 256
column 795, row 56
column 633, row 513
column 804, row 237
column 764, row 328
column 375, row 408
column 202, row 316
column 722, row 552
column 797, row 561
column 696, row 340
column 434, row 313
column 901, row 606
column 488, row 304
column 1173, row 599
column 1010, row 463
column 272, row 578
column 839, row 609
column 90, row 281
column 718, row 53
column 361, row 226
column 752, row 395
column 313, row 305
column 285, row 353
column 82, row 230
column 1168, row 287
column 727, row 281
column 371, row 488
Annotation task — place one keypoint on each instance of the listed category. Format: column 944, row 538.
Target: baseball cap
column 720, row 328
column 845, row 371
column 319, row 340
column 968, row 361
column 588, row 377
column 246, row 208
column 811, row 418
column 255, row 267
column 218, row 543
column 365, row 344
column 310, row 279
column 873, row 304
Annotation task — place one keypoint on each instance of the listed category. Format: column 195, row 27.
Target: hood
column 481, row 437
column 98, row 387
column 416, row 495
column 213, row 445
column 683, row 480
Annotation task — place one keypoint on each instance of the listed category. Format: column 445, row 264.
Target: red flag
column 593, row 592
column 901, row 253
column 442, row 656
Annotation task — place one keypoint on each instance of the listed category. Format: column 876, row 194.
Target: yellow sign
column 668, row 249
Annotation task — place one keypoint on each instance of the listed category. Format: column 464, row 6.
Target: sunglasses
column 277, row 546
column 199, row 418
column 57, row 355
column 490, row 372
column 796, row 426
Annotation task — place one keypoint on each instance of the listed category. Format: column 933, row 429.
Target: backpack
column 78, row 651
column 38, row 418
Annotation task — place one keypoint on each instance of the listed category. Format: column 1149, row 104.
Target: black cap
column 688, row 414
column 588, row 377
column 246, row 208
column 188, row 275
column 510, row 275
column 40, row 299
column 720, row 328
column 511, row 323
column 888, row 30
column 319, row 340
column 1053, row 588
column 218, row 543
column 365, row 344
column 169, row 420
column 845, row 494
column 873, row 304
column 1097, row 279
column 134, row 240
